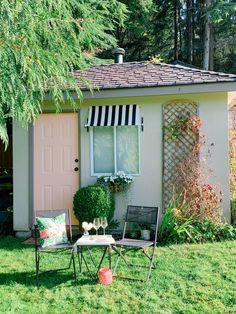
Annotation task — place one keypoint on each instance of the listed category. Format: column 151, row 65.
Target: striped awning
column 113, row 115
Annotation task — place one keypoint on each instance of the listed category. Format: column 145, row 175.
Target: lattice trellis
column 175, row 150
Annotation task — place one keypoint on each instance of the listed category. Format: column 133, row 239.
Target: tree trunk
column 193, row 31
column 180, row 53
column 176, row 33
column 207, row 36
column 189, row 31
column 212, row 48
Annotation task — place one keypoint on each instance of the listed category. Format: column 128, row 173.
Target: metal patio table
column 90, row 241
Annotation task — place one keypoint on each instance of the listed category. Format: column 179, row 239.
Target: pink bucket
column 105, row 276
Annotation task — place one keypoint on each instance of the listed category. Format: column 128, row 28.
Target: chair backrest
column 50, row 213
column 142, row 215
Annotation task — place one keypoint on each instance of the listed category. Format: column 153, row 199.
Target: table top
column 96, row 240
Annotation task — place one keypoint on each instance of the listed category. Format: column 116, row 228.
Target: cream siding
column 21, row 179
column 147, row 188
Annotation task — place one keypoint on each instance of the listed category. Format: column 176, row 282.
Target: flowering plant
column 193, row 123
column 184, row 124
column 119, row 179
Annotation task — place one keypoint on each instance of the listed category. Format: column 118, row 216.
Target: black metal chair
column 138, row 215
column 57, row 248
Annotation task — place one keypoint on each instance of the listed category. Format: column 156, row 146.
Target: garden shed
column 122, row 126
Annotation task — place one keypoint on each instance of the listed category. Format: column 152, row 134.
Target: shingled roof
column 147, row 74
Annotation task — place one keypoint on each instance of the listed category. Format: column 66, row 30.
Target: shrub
column 92, row 201
column 194, row 212
column 233, row 211
column 197, row 198
column 176, row 228
column 207, row 230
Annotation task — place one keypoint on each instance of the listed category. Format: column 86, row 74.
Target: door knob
column 76, row 160
column 76, row 169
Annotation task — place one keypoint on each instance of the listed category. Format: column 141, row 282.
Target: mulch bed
column 29, row 241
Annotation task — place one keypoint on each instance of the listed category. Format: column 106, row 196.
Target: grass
column 188, row 279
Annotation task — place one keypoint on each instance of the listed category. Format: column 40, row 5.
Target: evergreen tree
column 41, row 42
column 135, row 35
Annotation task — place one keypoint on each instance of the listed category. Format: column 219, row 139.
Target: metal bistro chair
column 138, row 215
column 56, row 248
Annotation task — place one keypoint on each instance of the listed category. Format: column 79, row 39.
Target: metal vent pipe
column 119, row 55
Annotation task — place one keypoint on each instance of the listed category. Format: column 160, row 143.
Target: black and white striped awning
column 113, row 115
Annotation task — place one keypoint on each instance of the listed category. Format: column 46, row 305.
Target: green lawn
column 188, row 279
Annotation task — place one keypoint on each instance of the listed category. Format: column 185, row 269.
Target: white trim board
column 156, row 91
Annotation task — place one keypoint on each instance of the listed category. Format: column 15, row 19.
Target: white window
column 114, row 149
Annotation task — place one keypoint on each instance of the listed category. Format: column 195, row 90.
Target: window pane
column 127, row 149
column 103, row 149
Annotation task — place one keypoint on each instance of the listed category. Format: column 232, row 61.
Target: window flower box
column 117, row 182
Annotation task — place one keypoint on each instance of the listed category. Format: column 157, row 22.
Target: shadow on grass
column 11, row 243
column 46, row 280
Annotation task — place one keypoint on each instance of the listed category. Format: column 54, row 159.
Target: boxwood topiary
column 92, row 201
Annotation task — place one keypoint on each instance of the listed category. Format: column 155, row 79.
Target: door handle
column 76, row 169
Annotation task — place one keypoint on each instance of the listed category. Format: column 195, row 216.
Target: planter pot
column 105, row 276
column 145, row 234
column 116, row 188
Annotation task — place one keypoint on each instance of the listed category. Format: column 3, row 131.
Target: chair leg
column 86, row 265
column 150, row 265
column 103, row 255
column 120, row 255
column 91, row 257
column 73, row 261
column 116, row 264
column 37, row 267
column 79, row 260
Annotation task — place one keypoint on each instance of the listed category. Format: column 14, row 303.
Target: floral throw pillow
column 52, row 231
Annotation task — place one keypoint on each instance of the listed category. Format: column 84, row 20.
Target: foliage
column 232, row 161
column 221, row 9
column 145, row 227
column 184, row 124
column 176, row 228
column 232, row 152
column 175, row 31
column 199, row 199
column 41, row 43
column 113, row 224
column 136, row 33
column 191, row 190
column 233, row 211
column 162, row 30
column 91, row 202
column 156, row 59
column 208, row 230
column 194, row 212
column 187, row 279
column 119, row 179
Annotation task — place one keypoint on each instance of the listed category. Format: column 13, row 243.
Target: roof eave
column 156, row 90
column 161, row 90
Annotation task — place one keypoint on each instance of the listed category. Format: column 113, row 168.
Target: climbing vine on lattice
column 180, row 138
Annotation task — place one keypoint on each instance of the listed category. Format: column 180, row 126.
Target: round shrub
column 91, row 202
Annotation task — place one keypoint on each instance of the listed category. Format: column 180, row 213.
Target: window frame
column 95, row 174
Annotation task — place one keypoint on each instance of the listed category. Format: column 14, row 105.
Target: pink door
column 56, row 176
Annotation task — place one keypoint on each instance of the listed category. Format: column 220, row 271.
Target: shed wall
column 147, row 188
